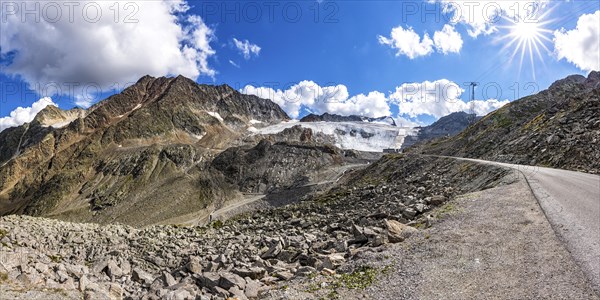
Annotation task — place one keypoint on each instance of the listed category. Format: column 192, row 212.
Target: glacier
column 361, row 136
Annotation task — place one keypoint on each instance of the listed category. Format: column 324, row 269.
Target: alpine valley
column 178, row 190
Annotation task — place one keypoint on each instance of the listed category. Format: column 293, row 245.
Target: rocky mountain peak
column 593, row 79
column 569, row 80
column 56, row 117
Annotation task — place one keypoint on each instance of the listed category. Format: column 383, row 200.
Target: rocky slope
column 241, row 258
column 558, row 127
column 446, row 126
column 137, row 157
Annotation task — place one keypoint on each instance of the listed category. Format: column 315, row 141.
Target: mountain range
column 279, row 207
column 168, row 149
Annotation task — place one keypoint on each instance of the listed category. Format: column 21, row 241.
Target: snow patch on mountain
column 215, row 115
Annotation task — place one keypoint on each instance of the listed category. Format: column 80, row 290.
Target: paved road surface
column 571, row 202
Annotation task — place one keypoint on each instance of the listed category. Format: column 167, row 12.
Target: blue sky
column 326, row 44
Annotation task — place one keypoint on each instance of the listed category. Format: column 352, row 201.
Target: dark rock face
column 149, row 146
column 327, row 117
column 267, row 166
column 446, row 126
column 558, row 127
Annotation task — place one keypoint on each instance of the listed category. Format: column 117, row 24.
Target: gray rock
column 208, row 280
column 169, row 279
column 252, row 272
column 194, row 265
column 83, row 283
column 305, row 271
column 284, row 275
column 252, row 289
column 398, row 232
column 333, row 261
column 273, row 251
column 237, row 293
column 141, row 276
column 409, row 213
column 113, row 270
column 115, row 292
column 437, row 200
column 180, row 294
column 229, row 280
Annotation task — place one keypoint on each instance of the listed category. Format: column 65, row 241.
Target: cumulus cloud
column 447, row 40
column 246, row 48
column 580, row 46
column 83, row 52
column 22, row 115
column 438, row 98
column 332, row 99
column 407, row 42
column 482, row 17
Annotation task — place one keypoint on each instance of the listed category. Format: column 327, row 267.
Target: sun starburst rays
column 527, row 37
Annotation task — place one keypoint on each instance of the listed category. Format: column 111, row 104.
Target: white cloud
column 484, row 107
column 409, row 43
column 580, row 46
column 246, row 48
column 234, row 64
column 332, row 99
column 22, row 115
column 482, row 17
column 447, row 40
column 437, row 98
column 157, row 39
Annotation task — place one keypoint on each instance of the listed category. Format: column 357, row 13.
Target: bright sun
column 527, row 36
column 525, row 30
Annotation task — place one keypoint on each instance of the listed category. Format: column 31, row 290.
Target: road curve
column 571, row 202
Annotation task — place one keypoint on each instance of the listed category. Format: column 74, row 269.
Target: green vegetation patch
column 55, row 258
column 218, row 224
column 445, row 209
column 363, row 277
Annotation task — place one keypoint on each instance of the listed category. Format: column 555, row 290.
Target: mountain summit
column 137, row 157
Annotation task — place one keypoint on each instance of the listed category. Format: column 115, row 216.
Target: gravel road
column 571, row 202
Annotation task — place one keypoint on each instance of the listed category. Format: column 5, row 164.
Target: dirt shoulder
column 492, row 244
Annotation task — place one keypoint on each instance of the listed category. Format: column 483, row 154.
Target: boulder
column 229, row 280
column 273, row 251
column 398, row 232
column 252, row 289
column 194, row 265
column 437, row 199
column 113, row 270
column 252, row 272
column 209, row 280
column 141, row 276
